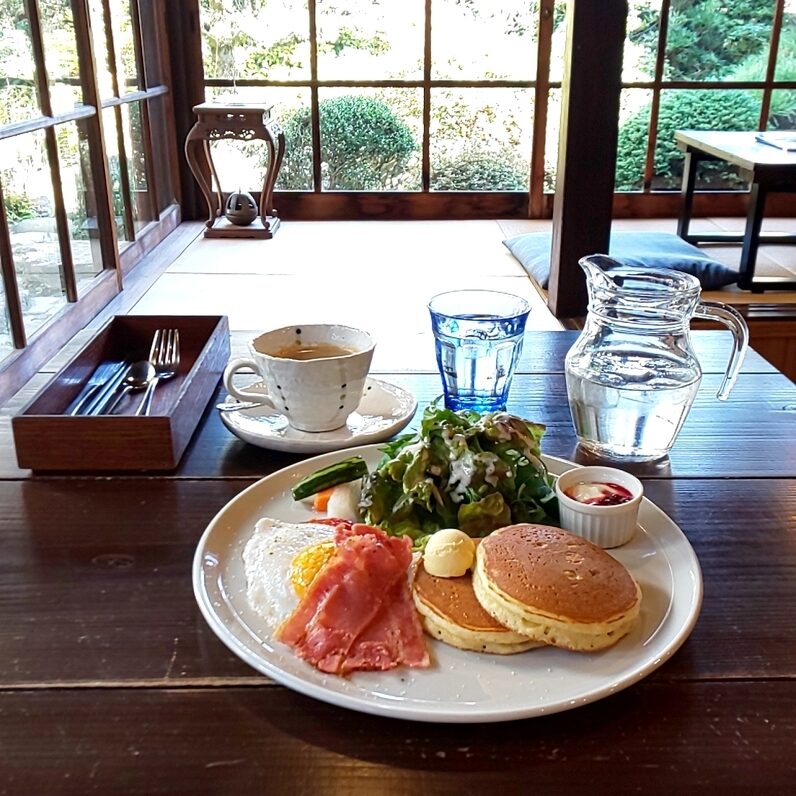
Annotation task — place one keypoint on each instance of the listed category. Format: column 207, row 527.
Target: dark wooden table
column 111, row 681
column 768, row 169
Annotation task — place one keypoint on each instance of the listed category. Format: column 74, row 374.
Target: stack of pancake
column 532, row 585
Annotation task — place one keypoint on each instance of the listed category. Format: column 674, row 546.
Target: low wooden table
column 111, row 681
column 768, row 169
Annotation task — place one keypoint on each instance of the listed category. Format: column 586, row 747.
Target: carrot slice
column 320, row 500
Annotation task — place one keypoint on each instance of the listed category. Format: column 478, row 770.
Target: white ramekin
column 605, row 526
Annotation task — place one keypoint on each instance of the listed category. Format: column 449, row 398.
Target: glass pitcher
column 632, row 374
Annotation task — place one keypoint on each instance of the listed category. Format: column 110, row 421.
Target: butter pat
column 449, row 553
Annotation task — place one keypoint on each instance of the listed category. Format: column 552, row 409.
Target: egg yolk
column 307, row 563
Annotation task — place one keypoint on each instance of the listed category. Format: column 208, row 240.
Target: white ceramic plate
column 461, row 686
column 383, row 411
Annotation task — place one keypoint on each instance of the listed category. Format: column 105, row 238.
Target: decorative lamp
column 239, row 122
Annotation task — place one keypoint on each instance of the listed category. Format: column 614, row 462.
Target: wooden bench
column 772, row 324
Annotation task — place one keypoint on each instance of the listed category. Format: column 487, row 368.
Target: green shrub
column 700, row 109
column 18, row 207
column 364, row 146
column 706, row 37
column 480, row 171
column 782, row 112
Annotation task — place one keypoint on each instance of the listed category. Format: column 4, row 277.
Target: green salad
column 463, row 470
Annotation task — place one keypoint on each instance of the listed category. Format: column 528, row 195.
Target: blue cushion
column 650, row 249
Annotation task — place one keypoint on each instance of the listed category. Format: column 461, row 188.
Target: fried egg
column 268, row 559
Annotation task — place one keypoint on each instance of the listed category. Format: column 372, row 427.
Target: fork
column 165, row 357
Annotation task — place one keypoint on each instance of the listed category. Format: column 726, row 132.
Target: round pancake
column 555, row 587
column 450, row 612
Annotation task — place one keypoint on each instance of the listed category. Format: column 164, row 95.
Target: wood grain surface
column 112, row 682
column 726, row 737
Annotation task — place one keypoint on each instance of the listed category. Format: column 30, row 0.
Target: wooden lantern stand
column 239, row 122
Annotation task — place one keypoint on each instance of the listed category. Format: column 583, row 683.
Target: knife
column 105, row 395
column 102, row 375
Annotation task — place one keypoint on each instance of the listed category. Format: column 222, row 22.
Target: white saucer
column 383, row 411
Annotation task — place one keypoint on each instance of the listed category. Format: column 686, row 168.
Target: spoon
column 137, row 378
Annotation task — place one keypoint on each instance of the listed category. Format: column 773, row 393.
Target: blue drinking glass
column 478, row 337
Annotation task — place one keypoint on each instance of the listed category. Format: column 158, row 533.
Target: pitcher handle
column 734, row 321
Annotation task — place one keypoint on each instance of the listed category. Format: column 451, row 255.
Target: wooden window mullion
column 425, row 158
column 103, row 193
column 124, row 176
column 652, row 140
column 540, row 105
column 146, row 140
column 68, row 279
column 146, row 132
column 67, row 269
column 771, row 66
column 166, row 74
column 9, row 274
column 43, row 122
column 315, row 116
column 110, row 47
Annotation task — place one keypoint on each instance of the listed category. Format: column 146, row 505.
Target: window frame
column 660, row 203
column 30, row 350
column 425, row 203
column 535, row 203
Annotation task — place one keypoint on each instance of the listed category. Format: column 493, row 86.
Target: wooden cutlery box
column 48, row 439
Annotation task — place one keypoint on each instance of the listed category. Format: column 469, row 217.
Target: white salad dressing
column 490, row 476
column 461, row 474
column 412, row 449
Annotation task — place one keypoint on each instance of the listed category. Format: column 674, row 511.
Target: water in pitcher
column 631, row 422
column 632, row 374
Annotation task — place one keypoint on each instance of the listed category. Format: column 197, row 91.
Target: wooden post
column 587, row 147
column 187, row 74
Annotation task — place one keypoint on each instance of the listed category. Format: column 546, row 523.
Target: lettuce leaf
column 462, row 470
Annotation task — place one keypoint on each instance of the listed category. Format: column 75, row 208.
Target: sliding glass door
column 705, row 65
column 87, row 160
column 421, row 99
column 453, row 106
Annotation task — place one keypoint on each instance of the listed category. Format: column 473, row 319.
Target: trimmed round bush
column 364, row 146
column 479, row 171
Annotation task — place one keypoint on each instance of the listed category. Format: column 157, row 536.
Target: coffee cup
column 313, row 374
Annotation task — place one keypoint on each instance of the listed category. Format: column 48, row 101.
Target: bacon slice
column 357, row 613
column 330, row 521
column 394, row 637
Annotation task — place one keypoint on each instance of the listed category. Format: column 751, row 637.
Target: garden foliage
column 707, row 40
column 479, row 171
column 700, row 109
column 364, row 146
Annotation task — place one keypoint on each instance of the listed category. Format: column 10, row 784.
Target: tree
column 706, row 38
column 782, row 112
column 364, row 146
column 239, row 39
